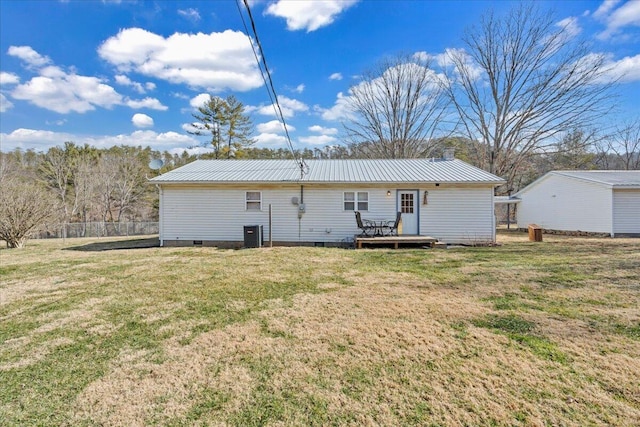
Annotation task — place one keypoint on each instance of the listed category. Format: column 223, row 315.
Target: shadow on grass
column 152, row 242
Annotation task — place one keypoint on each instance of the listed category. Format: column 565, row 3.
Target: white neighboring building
column 601, row 201
column 209, row 202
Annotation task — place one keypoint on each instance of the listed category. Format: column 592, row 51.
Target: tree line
column 77, row 184
column 80, row 184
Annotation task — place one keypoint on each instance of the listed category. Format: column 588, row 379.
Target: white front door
column 408, row 206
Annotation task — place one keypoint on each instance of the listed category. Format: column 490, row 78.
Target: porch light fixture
column 388, row 193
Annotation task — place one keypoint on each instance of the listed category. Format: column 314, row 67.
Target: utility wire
column 269, row 85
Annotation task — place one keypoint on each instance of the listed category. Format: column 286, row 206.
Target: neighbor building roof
column 620, row 179
column 329, row 171
column 614, row 178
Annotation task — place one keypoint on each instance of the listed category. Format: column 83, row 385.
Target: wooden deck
column 394, row 240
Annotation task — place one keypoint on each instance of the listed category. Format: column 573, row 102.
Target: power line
column 269, row 85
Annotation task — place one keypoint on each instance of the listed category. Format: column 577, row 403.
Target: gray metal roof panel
column 329, row 171
column 614, row 178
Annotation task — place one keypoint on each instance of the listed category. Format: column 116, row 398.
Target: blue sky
column 130, row 72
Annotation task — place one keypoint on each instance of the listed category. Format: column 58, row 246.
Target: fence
column 97, row 229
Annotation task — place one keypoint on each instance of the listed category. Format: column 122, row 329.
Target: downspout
column 160, row 215
column 611, row 218
column 300, row 212
column 493, row 214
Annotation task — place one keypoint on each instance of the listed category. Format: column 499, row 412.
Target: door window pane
column 406, row 203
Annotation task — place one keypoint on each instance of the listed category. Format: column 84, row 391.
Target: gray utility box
column 253, row 236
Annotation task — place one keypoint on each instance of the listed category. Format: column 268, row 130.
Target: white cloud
column 63, row 92
column 605, row 8
column 308, row 15
column 192, row 151
column 445, row 61
column 140, row 120
column 67, row 93
column 323, row 130
column 274, row 126
column 270, row 140
column 199, row 100
column 42, row 140
column 299, row 88
column 5, row 104
column 190, row 14
column 570, row 26
column 215, row 61
column 189, row 127
column 625, row 70
column 335, row 76
column 288, row 106
column 628, row 14
column 29, row 56
column 340, row 109
column 318, row 139
column 151, row 103
column 123, row 80
column 7, row 79
column 56, row 122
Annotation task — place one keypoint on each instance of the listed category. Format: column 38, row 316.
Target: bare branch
column 397, row 108
column 537, row 84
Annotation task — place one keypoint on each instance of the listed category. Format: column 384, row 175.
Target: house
column 601, row 201
column 209, row 202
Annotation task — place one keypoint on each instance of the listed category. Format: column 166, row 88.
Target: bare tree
column 129, row 184
column 56, row 171
column 8, row 167
column 24, row 206
column 523, row 82
column 397, row 108
column 575, row 150
column 104, row 186
column 625, row 144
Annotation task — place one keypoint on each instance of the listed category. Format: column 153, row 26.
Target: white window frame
column 359, row 199
column 252, row 202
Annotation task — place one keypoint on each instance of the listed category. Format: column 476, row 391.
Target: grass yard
column 522, row 334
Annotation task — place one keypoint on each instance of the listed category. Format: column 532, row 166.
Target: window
column 356, row 201
column 254, row 200
column 406, row 203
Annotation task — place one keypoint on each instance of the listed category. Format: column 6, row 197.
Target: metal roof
column 614, row 178
column 329, row 171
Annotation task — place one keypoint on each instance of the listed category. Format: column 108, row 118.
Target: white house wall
column 561, row 203
column 219, row 214
column 214, row 213
column 626, row 211
column 458, row 215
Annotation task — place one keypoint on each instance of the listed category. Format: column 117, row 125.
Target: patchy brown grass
column 523, row 334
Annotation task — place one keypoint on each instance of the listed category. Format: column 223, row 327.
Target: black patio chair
column 391, row 227
column 368, row 228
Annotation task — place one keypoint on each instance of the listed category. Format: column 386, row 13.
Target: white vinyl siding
column 562, row 203
column 215, row 213
column 458, row 215
column 626, row 211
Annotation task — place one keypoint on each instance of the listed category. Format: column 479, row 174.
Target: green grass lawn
column 113, row 332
